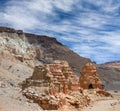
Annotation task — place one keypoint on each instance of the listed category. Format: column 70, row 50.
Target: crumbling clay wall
column 89, row 78
column 54, row 85
column 58, row 77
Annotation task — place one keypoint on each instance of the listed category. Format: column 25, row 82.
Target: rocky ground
column 11, row 99
column 103, row 104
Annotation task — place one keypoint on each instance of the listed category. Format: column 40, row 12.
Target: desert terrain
column 112, row 104
column 19, row 54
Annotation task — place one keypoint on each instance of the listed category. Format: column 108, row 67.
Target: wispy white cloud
column 89, row 27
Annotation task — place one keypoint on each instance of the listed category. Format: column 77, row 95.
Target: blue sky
column 89, row 27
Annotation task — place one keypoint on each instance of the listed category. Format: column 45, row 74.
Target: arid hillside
column 30, row 50
column 44, row 48
column 110, row 75
column 20, row 52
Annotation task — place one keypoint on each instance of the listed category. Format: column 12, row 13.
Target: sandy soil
column 112, row 104
column 12, row 100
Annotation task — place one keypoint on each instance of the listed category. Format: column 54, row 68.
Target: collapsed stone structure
column 50, row 81
column 55, row 77
column 55, row 85
column 89, row 78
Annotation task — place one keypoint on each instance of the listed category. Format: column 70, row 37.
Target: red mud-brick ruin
column 57, row 76
column 55, row 85
column 89, row 78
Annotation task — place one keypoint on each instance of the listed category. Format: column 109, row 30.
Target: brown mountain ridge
column 34, row 49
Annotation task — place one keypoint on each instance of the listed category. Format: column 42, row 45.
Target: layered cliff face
column 39, row 48
column 114, row 64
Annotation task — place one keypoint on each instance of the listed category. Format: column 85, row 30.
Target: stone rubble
column 2, row 84
column 104, row 93
column 47, row 102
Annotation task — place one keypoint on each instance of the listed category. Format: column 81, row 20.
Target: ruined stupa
column 56, row 77
column 54, row 85
column 48, row 82
column 89, row 78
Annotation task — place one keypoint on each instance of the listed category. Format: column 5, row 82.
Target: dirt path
column 112, row 104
